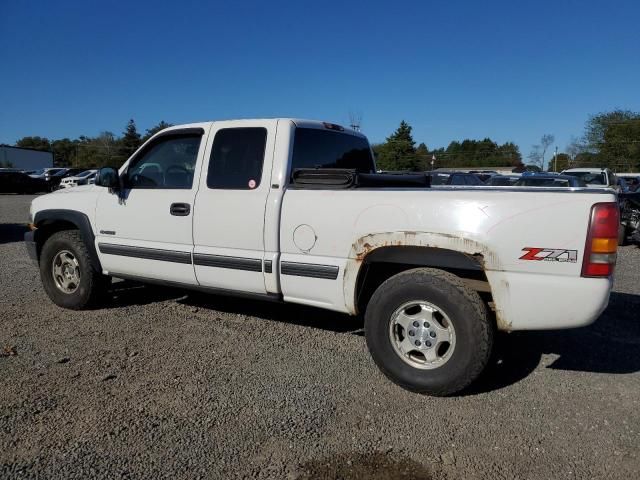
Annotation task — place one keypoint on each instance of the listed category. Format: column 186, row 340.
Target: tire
column 622, row 235
column 90, row 285
column 457, row 308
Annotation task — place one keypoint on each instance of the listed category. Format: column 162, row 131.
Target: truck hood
column 75, row 190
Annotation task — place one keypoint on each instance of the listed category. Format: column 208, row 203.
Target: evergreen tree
column 399, row 151
column 130, row 140
column 155, row 129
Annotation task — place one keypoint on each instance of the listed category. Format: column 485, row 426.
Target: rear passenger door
column 229, row 211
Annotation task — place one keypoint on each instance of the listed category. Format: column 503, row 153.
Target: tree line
column 89, row 152
column 611, row 139
column 399, row 153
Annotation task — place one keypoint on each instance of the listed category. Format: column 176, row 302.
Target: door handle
column 180, row 209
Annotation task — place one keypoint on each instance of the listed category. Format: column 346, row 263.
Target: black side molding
column 329, row 272
column 222, row 261
column 145, row 253
column 79, row 219
column 269, row 297
column 268, row 266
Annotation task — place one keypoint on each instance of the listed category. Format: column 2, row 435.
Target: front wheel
column 67, row 274
column 428, row 332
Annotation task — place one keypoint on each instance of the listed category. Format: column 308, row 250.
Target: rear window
column 440, row 178
column 589, row 178
column 473, row 180
column 543, row 182
column 500, row 181
column 315, row 148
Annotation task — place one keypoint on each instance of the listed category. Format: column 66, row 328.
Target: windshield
column 86, row 173
column 440, row 178
column 589, row 178
column 37, row 172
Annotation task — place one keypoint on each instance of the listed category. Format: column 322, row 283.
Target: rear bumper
column 526, row 301
column 30, row 244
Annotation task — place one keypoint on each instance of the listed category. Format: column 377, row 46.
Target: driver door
column 146, row 230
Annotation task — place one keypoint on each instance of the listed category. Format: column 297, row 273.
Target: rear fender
column 440, row 249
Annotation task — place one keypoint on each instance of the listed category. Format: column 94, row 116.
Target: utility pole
column 555, row 160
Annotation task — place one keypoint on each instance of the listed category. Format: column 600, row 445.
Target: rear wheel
column 428, row 332
column 67, row 274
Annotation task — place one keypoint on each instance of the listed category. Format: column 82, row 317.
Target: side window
column 236, row 159
column 458, row 180
column 166, row 164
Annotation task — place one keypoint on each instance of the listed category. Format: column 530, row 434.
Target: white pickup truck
column 292, row 210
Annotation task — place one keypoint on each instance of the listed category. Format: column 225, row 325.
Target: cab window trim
column 159, row 138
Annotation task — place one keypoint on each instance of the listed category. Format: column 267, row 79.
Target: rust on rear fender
column 362, row 247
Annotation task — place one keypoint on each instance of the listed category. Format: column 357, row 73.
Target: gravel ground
column 165, row 384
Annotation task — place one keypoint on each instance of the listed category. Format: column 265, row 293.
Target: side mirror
column 108, row 177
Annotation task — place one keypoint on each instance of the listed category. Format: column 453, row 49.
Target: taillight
column 602, row 241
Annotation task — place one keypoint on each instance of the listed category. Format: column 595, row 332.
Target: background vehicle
column 18, row 182
column 629, row 217
column 594, row 177
column 292, row 210
column 483, row 175
column 454, row 178
column 43, row 173
column 55, row 178
column 502, row 180
column 541, row 180
column 82, row 178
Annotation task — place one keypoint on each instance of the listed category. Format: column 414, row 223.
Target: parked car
column 594, row 177
column 502, row 180
column 83, row 178
column 484, row 175
column 44, row 172
column 17, row 182
column 292, row 211
column 629, row 203
column 454, row 178
column 633, row 183
column 55, row 178
column 542, row 180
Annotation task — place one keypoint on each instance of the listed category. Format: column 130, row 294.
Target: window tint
column 168, row 163
column 458, row 180
column 473, row 180
column 543, row 182
column 237, row 158
column 589, row 178
column 440, row 178
column 315, row 148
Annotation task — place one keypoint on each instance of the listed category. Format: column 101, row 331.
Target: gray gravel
column 165, row 384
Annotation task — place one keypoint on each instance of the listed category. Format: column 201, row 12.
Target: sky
column 508, row 70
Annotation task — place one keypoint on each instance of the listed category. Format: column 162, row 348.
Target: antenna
column 355, row 121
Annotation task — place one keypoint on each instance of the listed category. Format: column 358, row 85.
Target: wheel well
column 49, row 222
column 385, row 262
column 48, row 228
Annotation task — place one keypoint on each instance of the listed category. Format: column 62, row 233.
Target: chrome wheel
column 66, row 271
column 422, row 334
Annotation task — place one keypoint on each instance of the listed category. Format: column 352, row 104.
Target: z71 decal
column 550, row 254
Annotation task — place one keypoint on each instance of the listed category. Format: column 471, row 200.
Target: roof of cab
column 298, row 122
